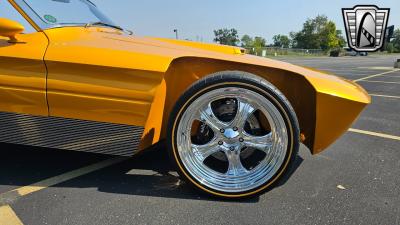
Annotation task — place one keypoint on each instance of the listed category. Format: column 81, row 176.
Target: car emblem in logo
column 365, row 27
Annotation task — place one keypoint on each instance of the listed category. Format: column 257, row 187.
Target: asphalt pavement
column 355, row 181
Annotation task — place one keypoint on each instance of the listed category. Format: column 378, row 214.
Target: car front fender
column 325, row 105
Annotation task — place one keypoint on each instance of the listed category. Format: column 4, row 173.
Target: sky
column 196, row 19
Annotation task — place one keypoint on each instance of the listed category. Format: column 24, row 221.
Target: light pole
column 176, row 33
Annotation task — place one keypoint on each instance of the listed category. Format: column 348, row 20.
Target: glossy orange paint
column 105, row 75
column 10, row 29
column 23, row 74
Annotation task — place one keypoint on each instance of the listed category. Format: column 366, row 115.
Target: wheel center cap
column 230, row 133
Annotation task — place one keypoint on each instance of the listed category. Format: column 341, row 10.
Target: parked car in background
column 351, row 52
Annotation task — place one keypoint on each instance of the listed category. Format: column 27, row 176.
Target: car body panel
column 314, row 116
column 23, row 74
column 116, row 78
column 334, row 117
column 100, row 87
column 103, row 74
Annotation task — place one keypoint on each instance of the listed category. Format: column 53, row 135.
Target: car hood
column 318, row 78
column 204, row 46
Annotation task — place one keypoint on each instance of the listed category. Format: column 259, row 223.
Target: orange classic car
column 70, row 78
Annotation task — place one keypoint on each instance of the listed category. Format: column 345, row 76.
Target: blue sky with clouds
column 196, row 19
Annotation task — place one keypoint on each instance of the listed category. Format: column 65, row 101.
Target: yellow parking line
column 385, row 96
column 16, row 193
column 388, row 136
column 8, row 216
column 392, row 75
column 67, row 176
column 377, row 68
column 376, row 75
column 378, row 81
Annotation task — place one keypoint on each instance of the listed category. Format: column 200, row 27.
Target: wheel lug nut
column 235, row 129
column 222, row 131
column 220, row 142
column 241, row 139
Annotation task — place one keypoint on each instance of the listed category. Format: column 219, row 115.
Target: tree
column 247, row 41
column 254, row 45
column 390, row 48
column 293, row 38
column 342, row 40
column 328, row 38
column 396, row 41
column 226, row 36
column 281, row 41
column 259, row 42
column 308, row 37
column 318, row 33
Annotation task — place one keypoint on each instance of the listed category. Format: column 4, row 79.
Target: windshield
column 68, row 12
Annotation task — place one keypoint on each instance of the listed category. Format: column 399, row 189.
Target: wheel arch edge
column 185, row 71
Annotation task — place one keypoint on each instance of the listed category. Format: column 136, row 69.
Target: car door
column 22, row 69
column 101, row 75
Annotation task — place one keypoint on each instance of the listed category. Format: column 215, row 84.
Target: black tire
column 237, row 79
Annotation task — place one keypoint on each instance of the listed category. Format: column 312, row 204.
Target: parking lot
column 355, row 181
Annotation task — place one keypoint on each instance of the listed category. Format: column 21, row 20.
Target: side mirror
column 10, row 29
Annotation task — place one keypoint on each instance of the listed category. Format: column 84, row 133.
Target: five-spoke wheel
column 233, row 139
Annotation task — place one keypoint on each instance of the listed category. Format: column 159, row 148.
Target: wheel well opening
column 183, row 72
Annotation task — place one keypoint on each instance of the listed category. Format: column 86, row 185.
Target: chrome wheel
column 232, row 139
